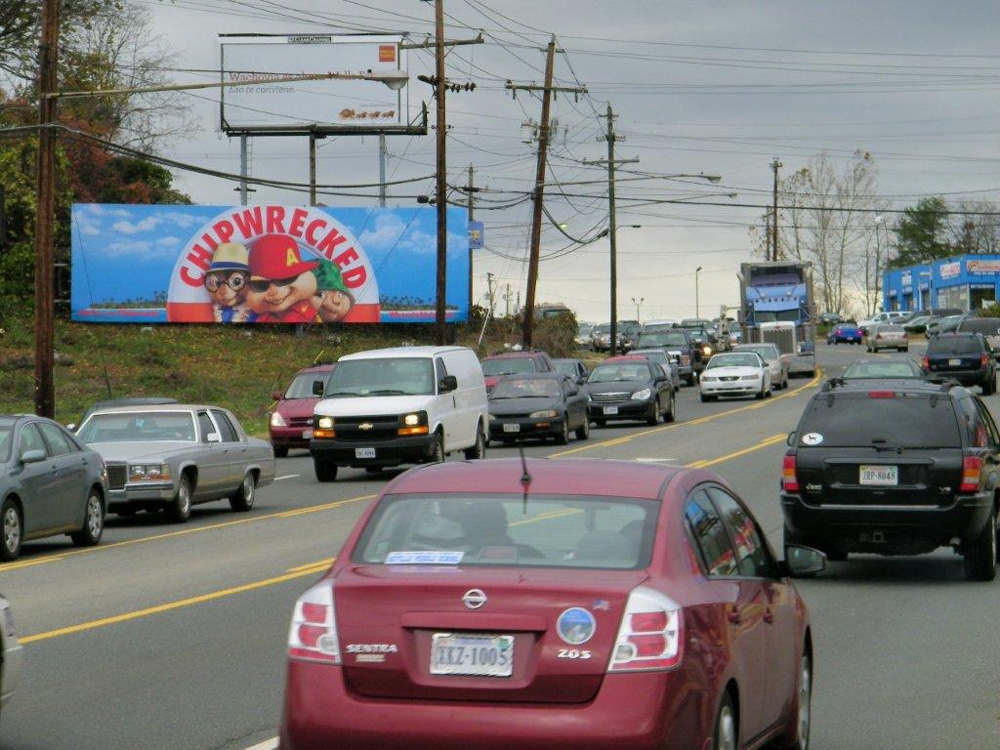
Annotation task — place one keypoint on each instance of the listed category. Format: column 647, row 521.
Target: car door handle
column 734, row 617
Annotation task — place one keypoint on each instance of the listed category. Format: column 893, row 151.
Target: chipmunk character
column 332, row 300
column 226, row 281
column 282, row 285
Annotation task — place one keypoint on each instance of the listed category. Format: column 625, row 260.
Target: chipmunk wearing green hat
column 332, row 299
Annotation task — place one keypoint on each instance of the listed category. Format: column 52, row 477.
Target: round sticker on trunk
column 576, row 626
column 812, row 438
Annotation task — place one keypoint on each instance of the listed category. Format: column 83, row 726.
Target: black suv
column 683, row 350
column 894, row 467
column 965, row 357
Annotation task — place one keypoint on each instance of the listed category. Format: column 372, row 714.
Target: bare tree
column 976, row 228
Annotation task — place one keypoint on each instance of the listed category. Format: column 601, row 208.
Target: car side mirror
column 448, row 384
column 276, row 395
column 581, row 380
column 33, row 456
column 802, row 561
column 790, row 440
column 318, row 387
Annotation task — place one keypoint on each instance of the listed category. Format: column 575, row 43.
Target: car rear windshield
column 867, row 418
column 955, row 345
column 507, row 530
column 985, row 326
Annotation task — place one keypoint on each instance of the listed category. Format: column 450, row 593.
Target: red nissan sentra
column 552, row 604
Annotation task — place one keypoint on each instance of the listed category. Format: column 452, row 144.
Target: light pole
column 638, row 304
column 697, row 307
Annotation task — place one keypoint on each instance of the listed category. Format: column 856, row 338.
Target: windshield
column 906, row 420
column 510, row 366
column 142, row 425
column 657, row 327
column 302, row 385
column 733, row 360
column 767, row 353
column 545, row 530
column 526, row 388
column 616, row 372
column 663, row 339
column 389, row 376
column 6, row 439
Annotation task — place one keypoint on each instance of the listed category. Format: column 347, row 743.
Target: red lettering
column 355, row 277
column 199, row 257
column 298, row 219
column 313, row 229
column 328, row 244
column 225, row 231
column 275, row 220
column 249, row 222
column 346, row 258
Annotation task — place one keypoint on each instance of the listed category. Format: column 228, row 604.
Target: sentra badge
column 576, row 626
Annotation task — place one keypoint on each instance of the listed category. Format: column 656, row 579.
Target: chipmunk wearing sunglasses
column 281, row 286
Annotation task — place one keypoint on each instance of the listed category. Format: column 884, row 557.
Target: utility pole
column 470, row 189
column 442, row 197
column 45, row 214
column 538, row 197
column 611, row 137
column 775, row 165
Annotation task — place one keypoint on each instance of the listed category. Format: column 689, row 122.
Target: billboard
column 319, row 106
column 264, row 264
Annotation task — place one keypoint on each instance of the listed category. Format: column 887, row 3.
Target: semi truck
column 777, row 305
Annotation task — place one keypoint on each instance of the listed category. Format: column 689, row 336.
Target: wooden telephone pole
column 539, row 192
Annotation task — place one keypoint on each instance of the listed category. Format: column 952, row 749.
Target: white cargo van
column 405, row 405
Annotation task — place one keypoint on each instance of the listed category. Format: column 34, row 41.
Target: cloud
column 146, row 225
column 386, row 232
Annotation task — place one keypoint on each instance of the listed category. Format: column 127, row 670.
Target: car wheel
column 980, row 552
column 583, row 431
column 671, row 414
column 800, row 722
column 437, row 456
column 562, row 437
column 654, row 417
column 726, row 734
column 326, row 471
column 706, row 399
column 477, row 451
column 12, row 530
column 784, row 383
column 180, row 508
column 760, row 394
column 242, row 499
column 280, row 452
column 93, row 522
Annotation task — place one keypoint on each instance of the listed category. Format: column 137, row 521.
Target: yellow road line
column 690, row 423
column 773, row 440
column 299, row 572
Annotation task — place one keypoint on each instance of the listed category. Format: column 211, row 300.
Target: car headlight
column 708, row 378
column 544, row 414
column 324, row 423
column 750, row 377
column 641, row 395
column 414, row 423
column 411, row 420
column 706, row 350
column 148, row 472
column 277, row 420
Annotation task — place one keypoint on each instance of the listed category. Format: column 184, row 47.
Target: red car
column 514, row 363
column 291, row 421
column 570, row 603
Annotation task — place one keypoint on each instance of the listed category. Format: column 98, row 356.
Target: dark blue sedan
column 844, row 333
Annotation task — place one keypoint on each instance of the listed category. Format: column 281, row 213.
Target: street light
column 638, row 304
column 697, row 307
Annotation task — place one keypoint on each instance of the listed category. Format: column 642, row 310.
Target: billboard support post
column 381, row 168
column 244, row 173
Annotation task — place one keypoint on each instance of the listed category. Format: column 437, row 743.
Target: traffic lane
column 899, row 641
column 207, row 677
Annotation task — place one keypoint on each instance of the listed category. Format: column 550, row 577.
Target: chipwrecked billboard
column 264, row 264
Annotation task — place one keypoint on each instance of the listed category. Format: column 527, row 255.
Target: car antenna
column 525, row 480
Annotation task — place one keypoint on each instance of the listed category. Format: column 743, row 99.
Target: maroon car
column 568, row 603
column 514, row 363
column 291, row 421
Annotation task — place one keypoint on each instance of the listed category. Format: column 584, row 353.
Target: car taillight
column 972, row 468
column 926, row 364
column 651, row 635
column 313, row 633
column 789, row 481
column 983, row 360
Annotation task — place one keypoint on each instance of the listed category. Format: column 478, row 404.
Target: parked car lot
column 291, row 422
column 50, row 484
column 175, row 456
column 542, row 604
column 538, row 406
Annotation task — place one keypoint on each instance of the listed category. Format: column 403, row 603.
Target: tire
column 726, row 734
column 800, row 722
column 784, row 383
column 477, row 451
column 242, row 499
column 13, row 530
column 280, row 452
column 93, row 522
column 179, row 508
column 562, row 437
column 325, row 471
column 705, row 399
column 980, row 552
column 762, row 392
column 583, row 431
column 654, row 419
column 437, row 456
column 671, row 414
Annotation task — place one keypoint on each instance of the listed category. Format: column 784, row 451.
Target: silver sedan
column 174, row 456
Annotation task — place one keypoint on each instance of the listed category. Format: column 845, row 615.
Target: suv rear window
column 956, row 344
column 985, row 326
column 907, row 420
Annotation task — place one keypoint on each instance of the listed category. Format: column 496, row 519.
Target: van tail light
column 972, row 469
column 926, row 364
column 313, row 633
column 789, row 481
column 651, row 635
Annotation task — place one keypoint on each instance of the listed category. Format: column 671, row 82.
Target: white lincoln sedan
column 735, row 374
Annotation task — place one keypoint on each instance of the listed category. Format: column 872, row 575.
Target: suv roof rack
column 942, row 383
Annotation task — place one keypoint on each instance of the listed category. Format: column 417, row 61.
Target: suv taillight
column 983, row 360
column 972, row 469
column 789, row 481
column 313, row 633
column 926, row 364
column 651, row 635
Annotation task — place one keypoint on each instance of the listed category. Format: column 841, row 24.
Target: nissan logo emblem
column 474, row 598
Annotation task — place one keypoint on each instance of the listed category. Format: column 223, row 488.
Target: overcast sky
column 717, row 87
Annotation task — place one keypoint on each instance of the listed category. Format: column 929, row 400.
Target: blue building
column 967, row 282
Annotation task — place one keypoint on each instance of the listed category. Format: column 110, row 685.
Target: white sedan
column 735, row 374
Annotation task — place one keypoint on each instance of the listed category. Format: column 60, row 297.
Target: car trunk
column 954, row 361
column 417, row 609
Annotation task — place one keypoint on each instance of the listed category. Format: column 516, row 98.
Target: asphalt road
column 172, row 636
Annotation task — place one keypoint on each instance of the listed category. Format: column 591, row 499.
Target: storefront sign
column 983, row 267
column 950, row 270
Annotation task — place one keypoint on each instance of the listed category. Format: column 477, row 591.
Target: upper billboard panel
column 358, row 101
column 264, row 264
